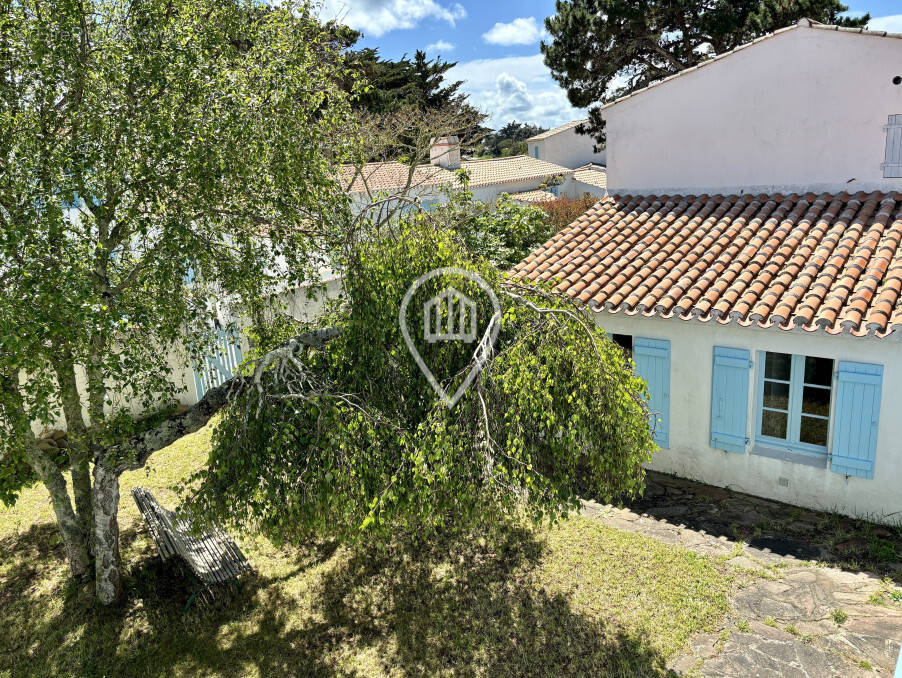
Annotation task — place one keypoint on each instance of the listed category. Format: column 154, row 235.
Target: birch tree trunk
column 70, row 528
column 79, row 444
column 71, row 532
column 108, row 582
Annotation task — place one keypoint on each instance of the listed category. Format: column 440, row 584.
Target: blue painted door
column 220, row 365
column 652, row 358
column 856, row 419
column 730, row 399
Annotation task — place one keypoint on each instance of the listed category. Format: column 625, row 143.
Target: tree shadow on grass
column 462, row 606
column 473, row 606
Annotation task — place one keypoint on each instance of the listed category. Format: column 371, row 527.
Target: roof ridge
column 506, row 157
column 767, row 36
column 556, row 130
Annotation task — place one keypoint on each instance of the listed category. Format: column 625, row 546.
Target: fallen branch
column 134, row 453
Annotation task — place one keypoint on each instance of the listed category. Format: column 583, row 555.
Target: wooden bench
column 213, row 556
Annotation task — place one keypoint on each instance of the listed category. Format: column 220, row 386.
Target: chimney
column 445, row 152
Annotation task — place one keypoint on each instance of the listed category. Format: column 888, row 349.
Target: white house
column 750, row 258
column 523, row 177
column 563, row 146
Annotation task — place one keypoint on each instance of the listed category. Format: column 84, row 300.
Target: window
column 892, row 161
column 624, row 341
column 555, row 190
column 535, row 151
column 794, row 401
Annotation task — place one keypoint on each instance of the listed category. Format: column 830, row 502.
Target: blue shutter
column 535, row 151
column 220, row 365
column 652, row 358
column 730, row 399
column 855, row 420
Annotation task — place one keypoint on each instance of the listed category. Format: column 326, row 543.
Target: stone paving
column 791, row 616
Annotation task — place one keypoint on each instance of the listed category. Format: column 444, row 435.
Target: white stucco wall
column 307, row 302
column 490, row 193
column 578, row 189
column 567, row 149
column 691, row 456
column 426, row 194
column 802, row 108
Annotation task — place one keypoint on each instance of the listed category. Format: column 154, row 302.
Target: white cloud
column 522, row 31
column 892, row 23
column 518, row 88
column 440, row 46
column 378, row 17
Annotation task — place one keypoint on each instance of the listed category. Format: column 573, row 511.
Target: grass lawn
column 579, row 599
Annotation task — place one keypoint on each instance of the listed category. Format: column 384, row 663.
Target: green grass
column 578, row 599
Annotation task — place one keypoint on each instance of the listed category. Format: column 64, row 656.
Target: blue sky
column 496, row 45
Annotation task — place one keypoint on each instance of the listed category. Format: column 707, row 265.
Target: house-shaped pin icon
column 449, row 316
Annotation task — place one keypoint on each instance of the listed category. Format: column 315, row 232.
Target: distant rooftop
column 535, row 197
column 557, row 130
column 592, row 174
column 382, row 176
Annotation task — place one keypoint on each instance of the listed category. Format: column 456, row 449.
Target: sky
column 496, row 46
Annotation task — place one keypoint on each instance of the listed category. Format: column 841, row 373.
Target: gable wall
column 803, row 108
column 567, row 149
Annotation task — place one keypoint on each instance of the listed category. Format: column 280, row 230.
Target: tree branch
column 135, row 452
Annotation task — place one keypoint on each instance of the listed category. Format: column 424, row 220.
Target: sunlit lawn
column 580, row 599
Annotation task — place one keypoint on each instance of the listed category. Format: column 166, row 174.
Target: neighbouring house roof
column 534, row 197
column 515, row 168
column 594, row 175
column 801, row 23
column 383, row 176
column 557, row 130
column 828, row 262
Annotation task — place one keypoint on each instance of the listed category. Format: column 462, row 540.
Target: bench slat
column 214, row 557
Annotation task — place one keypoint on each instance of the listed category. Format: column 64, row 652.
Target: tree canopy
column 391, row 84
column 170, row 167
column 599, row 50
column 329, row 440
column 159, row 161
column 509, row 140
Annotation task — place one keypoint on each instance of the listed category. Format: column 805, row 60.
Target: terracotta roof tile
column 534, row 197
column 389, row 175
column 593, row 175
column 828, row 262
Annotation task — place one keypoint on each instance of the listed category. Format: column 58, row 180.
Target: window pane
column 624, row 341
column 777, row 366
column 776, row 395
column 773, row 424
column 813, row 431
column 816, row 401
column 818, row 371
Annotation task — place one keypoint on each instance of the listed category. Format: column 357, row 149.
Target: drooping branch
column 135, row 452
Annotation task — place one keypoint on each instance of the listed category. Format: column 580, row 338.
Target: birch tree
column 155, row 156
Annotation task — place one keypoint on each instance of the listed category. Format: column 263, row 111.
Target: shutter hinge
column 751, row 364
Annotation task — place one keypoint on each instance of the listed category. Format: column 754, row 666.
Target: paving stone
column 748, row 655
column 702, row 519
